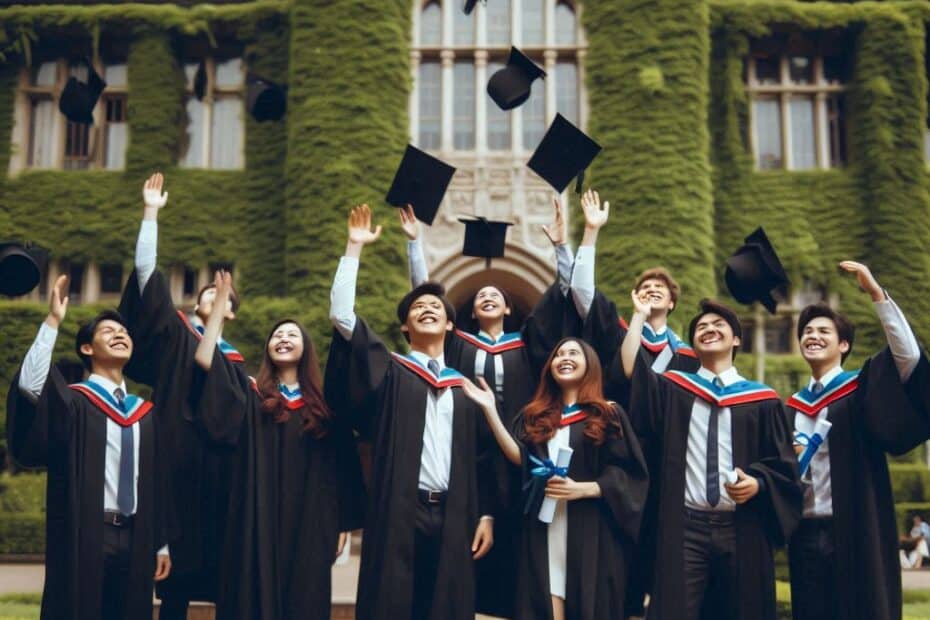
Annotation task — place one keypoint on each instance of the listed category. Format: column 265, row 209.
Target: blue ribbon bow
column 546, row 468
column 812, row 443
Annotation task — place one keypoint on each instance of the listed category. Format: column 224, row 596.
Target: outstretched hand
column 482, row 396
column 557, row 231
column 595, row 213
column 867, row 281
column 152, row 196
column 223, row 282
column 408, row 222
column 58, row 302
column 360, row 231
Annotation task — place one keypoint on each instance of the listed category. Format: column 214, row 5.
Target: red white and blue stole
column 810, row 404
column 448, row 377
column 507, row 342
column 135, row 408
column 228, row 351
column 572, row 414
column 293, row 399
column 739, row 393
column 656, row 342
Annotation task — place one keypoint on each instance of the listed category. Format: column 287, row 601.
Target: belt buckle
column 434, row 497
column 118, row 520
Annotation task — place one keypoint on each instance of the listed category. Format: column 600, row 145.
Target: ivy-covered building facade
column 714, row 116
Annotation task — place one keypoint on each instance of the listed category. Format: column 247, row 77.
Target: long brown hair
column 542, row 414
column 315, row 413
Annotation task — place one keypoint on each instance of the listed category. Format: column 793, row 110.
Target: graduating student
column 104, row 497
column 428, row 515
column 198, row 470
column 576, row 566
column 296, row 487
column 727, row 481
column 510, row 362
column 843, row 556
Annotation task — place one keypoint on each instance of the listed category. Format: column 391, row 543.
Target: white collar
column 485, row 334
column 106, row 384
column 424, row 359
column 828, row 376
column 728, row 377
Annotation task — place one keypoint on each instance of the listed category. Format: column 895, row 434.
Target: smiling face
column 713, row 336
column 569, row 364
column 426, row 318
column 286, row 345
column 490, row 305
column 821, row 344
column 110, row 346
column 655, row 291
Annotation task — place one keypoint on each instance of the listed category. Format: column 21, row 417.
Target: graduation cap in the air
column 421, row 180
column 20, row 268
column 511, row 86
column 470, row 6
column 484, row 238
column 78, row 99
column 200, row 80
column 266, row 101
column 754, row 271
column 563, row 154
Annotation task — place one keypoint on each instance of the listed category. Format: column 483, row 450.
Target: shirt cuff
column 164, row 551
column 486, row 518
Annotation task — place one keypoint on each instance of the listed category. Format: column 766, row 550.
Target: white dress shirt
column 696, row 471
column 146, row 252
column 481, row 357
column 665, row 356
column 582, row 285
column 436, row 456
column 818, row 493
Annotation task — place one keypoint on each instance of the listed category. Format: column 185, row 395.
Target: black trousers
column 427, row 541
column 812, row 559
column 117, row 547
column 711, row 589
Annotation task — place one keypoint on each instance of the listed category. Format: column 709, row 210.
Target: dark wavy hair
column 315, row 413
column 844, row 327
column 542, row 414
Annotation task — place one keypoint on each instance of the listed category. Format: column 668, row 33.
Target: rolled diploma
column 822, row 428
column 547, row 509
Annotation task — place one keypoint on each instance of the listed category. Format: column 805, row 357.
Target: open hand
column 58, row 302
column 867, row 281
column 557, row 231
column 360, row 232
column 595, row 213
column 745, row 489
column 408, row 222
column 152, row 196
column 482, row 396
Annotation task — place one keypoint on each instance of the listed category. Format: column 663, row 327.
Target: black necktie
column 433, row 366
column 126, row 457
column 713, row 465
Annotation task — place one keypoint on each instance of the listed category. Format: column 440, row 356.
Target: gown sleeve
column 554, row 317
column 355, row 372
column 649, row 394
column 218, row 400
column 624, row 480
column 779, row 501
column 895, row 414
column 352, row 494
column 26, row 431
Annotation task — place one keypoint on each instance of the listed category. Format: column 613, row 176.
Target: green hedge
column 910, row 482
column 22, row 533
column 22, row 493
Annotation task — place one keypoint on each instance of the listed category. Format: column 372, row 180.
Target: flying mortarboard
column 421, row 180
column 266, row 101
column 564, row 153
column 511, row 86
column 469, row 6
column 20, row 268
column 484, row 238
column 754, row 271
column 78, row 99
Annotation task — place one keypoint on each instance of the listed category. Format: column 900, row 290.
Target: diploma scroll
column 547, row 509
column 811, row 443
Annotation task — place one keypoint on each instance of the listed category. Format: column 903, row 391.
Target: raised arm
column 633, row 339
column 342, row 295
column 147, row 243
column 411, row 227
column 595, row 216
column 557, row 232
column 484, row 397
column 205, row 349
column 38, row 359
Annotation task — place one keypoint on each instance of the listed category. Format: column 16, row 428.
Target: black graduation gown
column 387, row 397
column 606, row 329
column 874, row 418
column 601, row 532
column 660, row 411
column 198, row 470
column 291, row 496
column 553, row 318
column 71, row 431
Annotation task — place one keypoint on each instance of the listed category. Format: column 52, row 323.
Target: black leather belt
column 431, row 497
column 711, row 517
column 117, row 519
